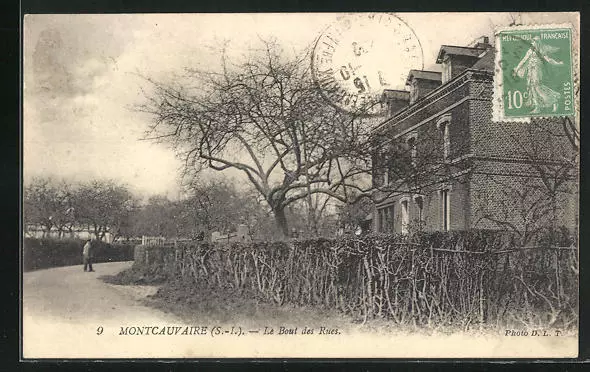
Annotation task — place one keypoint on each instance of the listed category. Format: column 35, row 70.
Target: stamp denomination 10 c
column 533, row 75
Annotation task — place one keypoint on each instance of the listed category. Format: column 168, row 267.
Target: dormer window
column 421, row 83
column 395, row 100
column 446, row 69
column 414, row 91
column 456, row 59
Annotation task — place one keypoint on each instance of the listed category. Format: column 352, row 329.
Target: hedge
column 47, row 253
column 457, row 279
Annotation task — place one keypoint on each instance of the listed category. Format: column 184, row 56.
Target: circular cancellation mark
column 360, row 55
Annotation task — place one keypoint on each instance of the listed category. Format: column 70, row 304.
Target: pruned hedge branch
column 457, row 279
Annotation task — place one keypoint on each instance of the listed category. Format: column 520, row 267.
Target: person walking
column 87, row 255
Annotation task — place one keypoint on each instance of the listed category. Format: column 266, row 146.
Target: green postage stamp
column 534, row 73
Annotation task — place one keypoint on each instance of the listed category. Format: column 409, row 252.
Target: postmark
column 360, row 55
column 534, row 72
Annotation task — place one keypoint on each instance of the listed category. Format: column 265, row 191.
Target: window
column 405, row 215
column 414, row 91
column 419, row 201
column 383, row 165
column 445, row 209
column 446, row 69
column 413, row 149
column 443, row 125
column 385, row 219
column 446, row 141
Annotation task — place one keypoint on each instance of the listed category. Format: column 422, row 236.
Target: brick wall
column 544, row 137
column 519, row 202
column 507, row 185
column 432, row 207
column 460, row 64
column 504, row 158
column 424, row 110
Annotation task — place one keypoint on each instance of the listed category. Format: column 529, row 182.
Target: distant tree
column 158, row 217
column 213, row 205
column 352, row 216
column 43, row 204
column 217, row 205
column 103, row 206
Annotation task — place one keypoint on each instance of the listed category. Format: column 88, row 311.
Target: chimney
column 421, row 83
column 395, row 100
column 483, row 43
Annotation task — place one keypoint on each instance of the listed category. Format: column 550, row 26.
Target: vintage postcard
column 318, row 185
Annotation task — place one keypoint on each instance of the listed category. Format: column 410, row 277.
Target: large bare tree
column 265, row 117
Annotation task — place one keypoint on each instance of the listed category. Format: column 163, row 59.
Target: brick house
column 442, row 163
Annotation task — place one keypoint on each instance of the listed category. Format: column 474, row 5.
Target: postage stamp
column 534, row 75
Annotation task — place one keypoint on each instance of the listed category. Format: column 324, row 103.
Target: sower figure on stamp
column 87, row 255
column 531, row 66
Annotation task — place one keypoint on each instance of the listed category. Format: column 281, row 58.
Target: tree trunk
column 47, row 230
column 97, row 232
column 103, row 231
column 281, row 220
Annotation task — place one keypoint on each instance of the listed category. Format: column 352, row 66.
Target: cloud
column 80, row 75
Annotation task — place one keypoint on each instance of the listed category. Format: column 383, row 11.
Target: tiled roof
column 425, row 75
column 486, row 62
column 457, row 50
column 397, row 94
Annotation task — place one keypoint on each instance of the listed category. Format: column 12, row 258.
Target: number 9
column 99, row 331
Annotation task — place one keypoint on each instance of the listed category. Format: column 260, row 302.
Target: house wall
column 423, row 123
column 432, row 212
column 423, row 87
column 506, row 185
column 498, row 159
column 460, row 64
column 519, row 202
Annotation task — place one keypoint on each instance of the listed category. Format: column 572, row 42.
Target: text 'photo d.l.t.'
column 317, row 185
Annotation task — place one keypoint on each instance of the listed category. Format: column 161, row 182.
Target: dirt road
column 63, row 309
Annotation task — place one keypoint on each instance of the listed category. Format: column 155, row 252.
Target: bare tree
column 103, row 206
column 155, row 218
column 217, row 205
column 539, row 202
column 63, row 207
column 41, row 204
column 265, row 117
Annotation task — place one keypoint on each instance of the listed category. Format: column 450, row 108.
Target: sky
column 82, row 80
